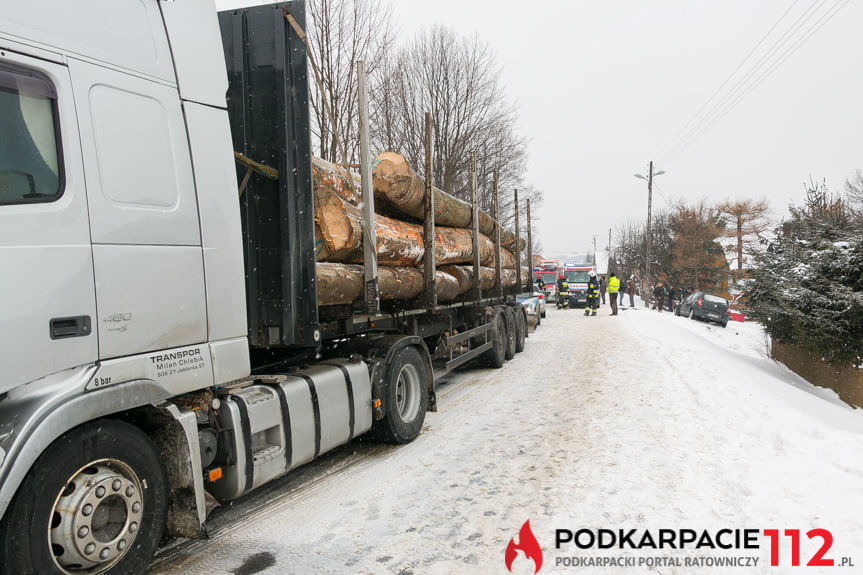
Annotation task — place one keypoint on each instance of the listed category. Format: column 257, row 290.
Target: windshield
column 577, row 276
column 548, row 277
column 715, row 299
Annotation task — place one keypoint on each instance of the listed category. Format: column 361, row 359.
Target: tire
column 724, row 324
column 495, row 356
column 509, row 317
column 405, row 397
column 542, row 315
column 520, row 329
column 538, row 320
column 677, row 311
column 110, row 457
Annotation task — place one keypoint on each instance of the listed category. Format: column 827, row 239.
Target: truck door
column 47, row 301
column 143, row 211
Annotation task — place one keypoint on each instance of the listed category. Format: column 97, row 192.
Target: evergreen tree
column 809, row 281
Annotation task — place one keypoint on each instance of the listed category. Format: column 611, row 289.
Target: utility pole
column 649, row 209
column 609, row 251
column 645, row 281
column 594, row 250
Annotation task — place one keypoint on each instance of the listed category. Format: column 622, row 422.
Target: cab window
column 30, row 159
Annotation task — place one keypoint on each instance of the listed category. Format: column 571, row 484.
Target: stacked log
column 396, row 185
column 327, row 176
column 399, row 244
column 343, row 283
column 339, row 233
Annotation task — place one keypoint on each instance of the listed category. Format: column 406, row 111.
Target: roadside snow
column 644, row 420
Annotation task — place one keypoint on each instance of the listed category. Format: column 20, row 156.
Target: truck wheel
column 520, row 329
column 406, row 397
column 495, row 356
column 509, row 316
column 93, row 503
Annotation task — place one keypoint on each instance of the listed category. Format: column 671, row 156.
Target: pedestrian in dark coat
column 659, row 294
column 630, row 289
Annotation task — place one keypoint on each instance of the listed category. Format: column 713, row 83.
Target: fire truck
column 576, row 276
column 547, row 272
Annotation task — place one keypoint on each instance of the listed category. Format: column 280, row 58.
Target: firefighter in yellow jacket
column 613, row 288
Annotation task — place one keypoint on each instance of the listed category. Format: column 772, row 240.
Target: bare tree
column 745, row 221
column 458, row 81
column 341, row 32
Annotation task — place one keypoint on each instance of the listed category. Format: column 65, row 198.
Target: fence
column 846, row 381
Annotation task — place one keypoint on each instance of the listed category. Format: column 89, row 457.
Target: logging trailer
column 162, row 338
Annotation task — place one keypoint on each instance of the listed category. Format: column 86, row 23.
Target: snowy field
column 640, row 421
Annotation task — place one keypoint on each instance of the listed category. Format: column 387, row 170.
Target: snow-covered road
column 640, row 421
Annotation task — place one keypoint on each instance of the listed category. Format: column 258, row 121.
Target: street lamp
column 649, row 178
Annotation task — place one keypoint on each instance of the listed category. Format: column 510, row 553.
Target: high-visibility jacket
column 613, row 284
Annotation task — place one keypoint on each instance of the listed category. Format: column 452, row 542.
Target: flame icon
column 528, row 545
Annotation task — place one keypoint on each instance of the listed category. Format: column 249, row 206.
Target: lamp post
column 649, row 178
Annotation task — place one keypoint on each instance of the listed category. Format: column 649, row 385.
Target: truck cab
column 162, row 343
column 547, row 273
column 576, row 277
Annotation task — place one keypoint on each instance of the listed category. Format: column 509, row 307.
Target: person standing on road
column 672, row 293
column 630, row 289
column 592, row 294
column 621, row 292
column 602, row 288
column 613, row 288
column 659, row 295
column 562, row 292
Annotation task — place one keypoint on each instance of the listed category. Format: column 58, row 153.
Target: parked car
column 534, row 304
column 705, row 306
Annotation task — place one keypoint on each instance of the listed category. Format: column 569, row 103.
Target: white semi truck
column 160, row 337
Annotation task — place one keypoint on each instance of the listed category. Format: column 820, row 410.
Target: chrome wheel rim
column 408, row 393
column 95, row 518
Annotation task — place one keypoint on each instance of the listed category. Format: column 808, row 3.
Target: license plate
column 713, row 316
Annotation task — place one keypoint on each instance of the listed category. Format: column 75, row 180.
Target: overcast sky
column 604, row 87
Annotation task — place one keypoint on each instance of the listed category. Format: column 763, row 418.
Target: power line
column 740, row 65
column 788, row 43
column 764, row 75
column 661, row 195
column 740, row 84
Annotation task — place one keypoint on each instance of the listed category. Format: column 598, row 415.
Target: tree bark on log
column 343, row 283
column 507, row 259
column 336, row 179
column 396, row 185
column 338, row 237
column 464, row 277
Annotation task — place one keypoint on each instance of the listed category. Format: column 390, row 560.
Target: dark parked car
column 706, row 306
